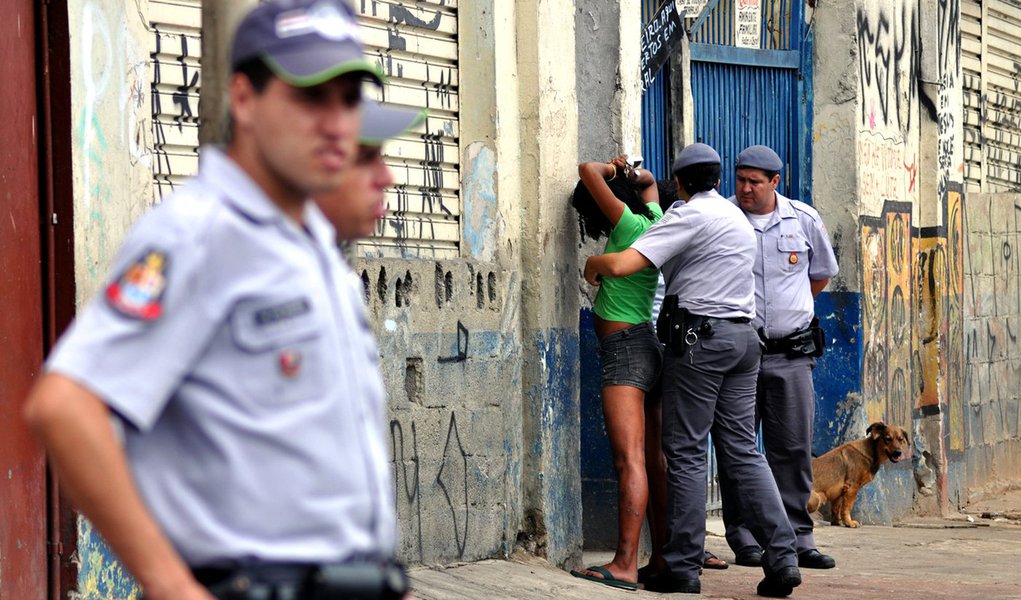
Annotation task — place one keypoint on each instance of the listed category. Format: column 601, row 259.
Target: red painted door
column 23, row 573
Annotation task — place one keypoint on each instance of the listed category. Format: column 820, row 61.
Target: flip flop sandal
column 606, row 579
column 711, row 561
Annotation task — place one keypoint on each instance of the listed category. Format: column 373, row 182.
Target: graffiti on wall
column 991, row 351
column 913, row 318
column 175, row 91
column 450, row 360
column 950, row 151
column 888, row 65
column 450, row 478
column 887, row 319
column 420, row 57
column 887, row 169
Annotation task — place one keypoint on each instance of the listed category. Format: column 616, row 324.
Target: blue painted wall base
column 598, row 479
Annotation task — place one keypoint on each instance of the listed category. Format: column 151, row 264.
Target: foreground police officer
column 250, row 458
column 705, row 248
column 794, row 262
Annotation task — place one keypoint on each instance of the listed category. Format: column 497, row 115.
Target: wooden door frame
column 57, row 237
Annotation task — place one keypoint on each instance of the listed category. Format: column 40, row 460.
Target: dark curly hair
column 591, row 221
column 697, row 178
column 667, row 189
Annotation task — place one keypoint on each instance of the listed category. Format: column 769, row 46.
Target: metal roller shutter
column 175, row 46
column 990, row 55
column 416, row 44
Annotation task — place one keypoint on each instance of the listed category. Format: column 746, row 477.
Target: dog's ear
column 907, row 438
column 876, row 429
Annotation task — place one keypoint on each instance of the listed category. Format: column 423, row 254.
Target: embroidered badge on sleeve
column 138, row 293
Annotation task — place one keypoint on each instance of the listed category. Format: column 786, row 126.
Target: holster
column 818, row 336
column 810, row 341
column 672, row 324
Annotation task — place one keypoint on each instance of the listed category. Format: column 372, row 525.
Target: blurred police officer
column 212, row 413
column 359, row 201
column 793, row 263
column 705, row 248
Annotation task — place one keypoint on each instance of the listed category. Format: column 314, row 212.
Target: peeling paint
column 552, row 404
column 481, row 215
column 100, row 575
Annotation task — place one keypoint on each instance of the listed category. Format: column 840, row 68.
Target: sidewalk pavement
column 974, row 555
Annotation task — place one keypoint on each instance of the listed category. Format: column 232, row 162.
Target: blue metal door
column 656, row 121
column 755, row 95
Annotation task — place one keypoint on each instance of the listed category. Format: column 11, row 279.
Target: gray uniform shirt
column 793, row 249
column 235, row 346
column 705, row 248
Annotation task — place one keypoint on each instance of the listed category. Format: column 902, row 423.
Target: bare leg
column 655, row 469
column 623, row 408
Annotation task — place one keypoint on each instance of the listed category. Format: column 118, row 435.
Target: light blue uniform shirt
column 248, row 380
column 705, row 248
column 793, row 249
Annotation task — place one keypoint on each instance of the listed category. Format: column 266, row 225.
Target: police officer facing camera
column 706, row 248
column 218, row 412
column 794, row 261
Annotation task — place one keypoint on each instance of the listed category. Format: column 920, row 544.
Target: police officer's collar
column 318, row 225
column 220, row 172
column 784, row 208
column 713, row 193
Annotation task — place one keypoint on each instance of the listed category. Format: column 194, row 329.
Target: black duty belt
column 805, row 342
column 740, row 320
column 380, row 580
column 775, row 346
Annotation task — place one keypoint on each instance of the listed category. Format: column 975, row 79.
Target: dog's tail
column 815, row 501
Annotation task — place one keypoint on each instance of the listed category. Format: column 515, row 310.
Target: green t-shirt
column 628, row 299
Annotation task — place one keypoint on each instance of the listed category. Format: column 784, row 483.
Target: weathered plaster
column 112, row 181
column 549, row 307
column 100, row 575
column 110, row 108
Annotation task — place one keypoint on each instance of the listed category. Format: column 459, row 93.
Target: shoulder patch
column 138, row 292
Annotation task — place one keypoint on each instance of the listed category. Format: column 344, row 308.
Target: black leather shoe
column 779, row 584
column 665, row 583
column 813, row 559
column 749, row 556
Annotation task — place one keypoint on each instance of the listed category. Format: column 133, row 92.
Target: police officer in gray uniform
column 705, row 248
column 793, row 263
column 218, row 412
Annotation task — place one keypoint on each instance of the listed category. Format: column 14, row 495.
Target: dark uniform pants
column 711, row 388
column 786, row 409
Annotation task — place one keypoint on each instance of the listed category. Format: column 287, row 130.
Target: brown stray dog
column 840, row 473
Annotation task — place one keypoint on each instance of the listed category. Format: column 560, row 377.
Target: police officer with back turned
column 705, row 248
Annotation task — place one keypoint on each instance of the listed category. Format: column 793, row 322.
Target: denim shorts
column 631, row 357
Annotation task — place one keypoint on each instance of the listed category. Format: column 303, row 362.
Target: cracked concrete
column 964, row 556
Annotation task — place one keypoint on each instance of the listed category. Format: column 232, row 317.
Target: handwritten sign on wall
column 690, row 8
column 747, row 24
column 659, row 38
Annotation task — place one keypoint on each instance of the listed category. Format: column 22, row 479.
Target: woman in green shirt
column 627, row 203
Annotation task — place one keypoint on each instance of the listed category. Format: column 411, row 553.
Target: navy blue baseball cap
column 381, row 121
column 304, row 42
column 696, row 154
column 759, row 157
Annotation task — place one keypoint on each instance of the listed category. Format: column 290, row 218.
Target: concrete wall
column 920, row 309
column 609, row 114
column 112, row 157
column 992, row 357
column 112, row 180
